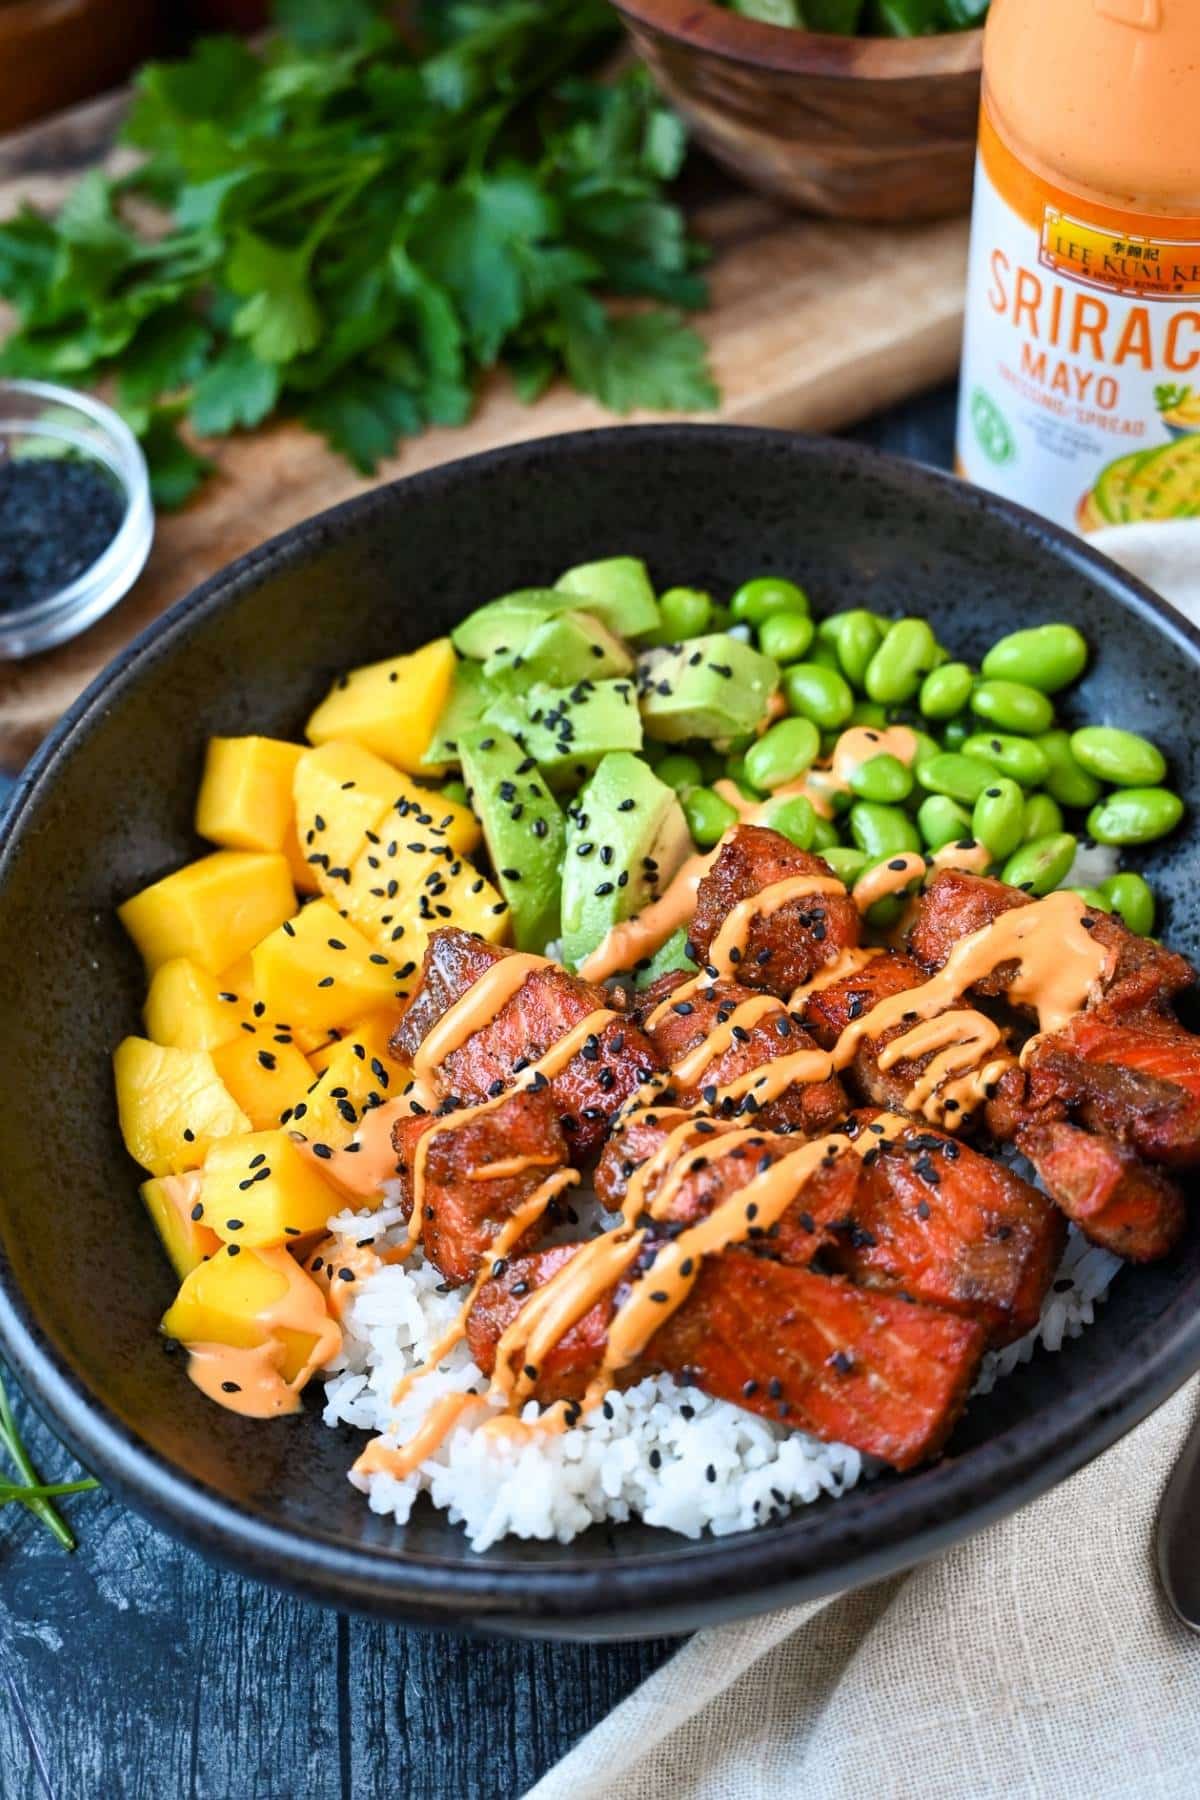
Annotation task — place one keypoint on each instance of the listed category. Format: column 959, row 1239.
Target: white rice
column 664, row 1453
column 1093, row 864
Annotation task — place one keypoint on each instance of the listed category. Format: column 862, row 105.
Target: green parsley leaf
column 649, row 359
column 236, row 389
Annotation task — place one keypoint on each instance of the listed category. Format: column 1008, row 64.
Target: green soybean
column 686, row 612
column 1012, row 706
column 1043, row 817
column 963, row 778
column 1133, row 899
column 783, row 753
column 884, row 778
column 1046, row 657
column 869, row 713
column 1040, row 866
column 956, row 732
column 785, row 636
column 941, row 821
column 908, row 652
column 796, row 819
column 926, row 747
column 823, row 655
column 756, row 600
column 822, row 695
column 856, row 636
column 945, row 691
column 882, row 830
column 1135, row 816
column 1092, row 897
column 1066, row 780
column 1120, row 757
column 708, row 816
column 680, row 771
column 846, row 862
column 735, row 771
column 1021, row 759
column 999, row 817
column 825, row 835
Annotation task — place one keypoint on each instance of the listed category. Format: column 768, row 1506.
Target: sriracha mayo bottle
column 1081, row 366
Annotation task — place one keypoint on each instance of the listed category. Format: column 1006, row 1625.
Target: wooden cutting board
column 813, row 325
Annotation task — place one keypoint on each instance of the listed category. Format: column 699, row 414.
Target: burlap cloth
column 1037, row 1659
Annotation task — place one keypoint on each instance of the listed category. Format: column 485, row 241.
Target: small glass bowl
column 40, row 419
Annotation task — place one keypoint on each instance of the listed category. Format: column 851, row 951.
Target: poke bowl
column 676, row 1492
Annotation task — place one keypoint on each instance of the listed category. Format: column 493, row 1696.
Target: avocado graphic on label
column 1146, row 487
column 626, row 837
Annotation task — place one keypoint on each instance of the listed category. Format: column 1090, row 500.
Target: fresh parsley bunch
column 358, row 229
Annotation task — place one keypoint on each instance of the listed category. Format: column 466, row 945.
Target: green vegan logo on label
column 992, row 429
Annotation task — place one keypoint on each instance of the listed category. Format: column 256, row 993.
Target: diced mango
column 245, row 800
column 398, row 895
column 227, row 1300
column 190, row 1008
column 374, row 1031
column 172, row 1105
column 345, row 795
column 359, row 1074
column 262, row 1190
column 390, row 707
column 212, row 911
column 238, row 979
column 263, row 1074
column 171, row 1201
column 318, row 972
column 304, row 875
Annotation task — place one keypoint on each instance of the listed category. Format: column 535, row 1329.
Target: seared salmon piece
column 1135, row 1079
column 1114, row 1199
column 783, row 949
column 953, row 1228
column 549, row 1004
column 570, row 1364
column 477, row 1170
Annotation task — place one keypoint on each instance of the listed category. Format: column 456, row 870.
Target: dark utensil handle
column 1178, row 1539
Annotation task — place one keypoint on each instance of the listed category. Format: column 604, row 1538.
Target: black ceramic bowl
column 107, row 807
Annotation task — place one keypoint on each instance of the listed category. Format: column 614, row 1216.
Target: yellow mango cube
column 190, row 1008
column 346, row 797
column 213, row 911
column 358, row 1075
column 262, row 1189
column 318, row 972
column 228, row 1299
column 172, row 1105
column 172, row 1202
column 373, row 1032
column 304, row 875
column 245, row 800
column 390, row 707
column 398, row 895
column 263, row 1074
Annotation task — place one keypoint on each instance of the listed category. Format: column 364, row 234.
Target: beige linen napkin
column 1037, row 1659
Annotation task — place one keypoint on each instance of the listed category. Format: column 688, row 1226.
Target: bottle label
column 1081, row 363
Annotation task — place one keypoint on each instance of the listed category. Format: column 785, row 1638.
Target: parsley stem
column 34, row 1494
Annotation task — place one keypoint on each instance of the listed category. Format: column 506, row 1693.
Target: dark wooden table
column 135, row 1671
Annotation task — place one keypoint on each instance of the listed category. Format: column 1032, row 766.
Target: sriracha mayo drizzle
column 249, row 1380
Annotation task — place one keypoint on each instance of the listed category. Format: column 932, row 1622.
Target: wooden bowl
column 860, row 128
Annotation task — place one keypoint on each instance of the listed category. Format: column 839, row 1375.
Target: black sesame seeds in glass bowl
column 76, row 521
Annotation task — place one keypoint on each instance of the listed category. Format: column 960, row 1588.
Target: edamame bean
column 686, row 612
column 1038, row 867
column 1135, row 816
column 957, row 731
column 680, row 771
column 824, row 655
column 456, row 791
column 1092, row 897
column 999, row 817
column 885, row 913
column 941, row 820
column 1133, row 898
column 756, row 600
column 782, row 753
column 1120, row 757
column 1012, row 706
column 945, row 691
column 856, row 636
column 869, row 713
column 884, row 778
column 1046, row 657
column 712, row 764
column 908, row 652
column 825, row 835
column 820, row 694
column 1043, row 817
column 1066, row 780
column 735, row 771
column 963, row 778
column 1021, row 759
column 882, row 830
column 846, row 862
column 785, row 636
column 708, row 816
column 796, row 819
column 926, row 747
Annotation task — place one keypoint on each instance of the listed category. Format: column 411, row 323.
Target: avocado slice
column 568, row 730
column 524, row 830
column 626, row 837
column 618, row 590
column 470, row 693
column 670, row 956
column 710, row 687
column 570, row 647
column 505, row 624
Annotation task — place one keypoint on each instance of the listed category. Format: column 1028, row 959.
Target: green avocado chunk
column 568, row 730
column 470, row 694
column 618, row 591
column 506, row 624
column 524, row 830
column 573, row 646
column 626, row 836
column 710, row 687
column 670, row 956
